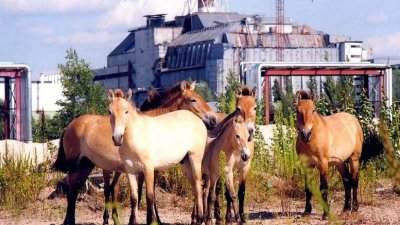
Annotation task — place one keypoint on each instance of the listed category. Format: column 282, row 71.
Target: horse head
column 246, row 101
column 118, row 110
column 240, row 136
column 305, row 112
column 193, row 102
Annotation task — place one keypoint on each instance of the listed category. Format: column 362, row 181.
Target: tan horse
column 328, row 140
column 246, row 102
column 83, row 144
column 156, row 143
column 233, row 140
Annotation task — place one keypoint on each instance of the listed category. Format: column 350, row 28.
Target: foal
column 234, row 142
column 328, row 140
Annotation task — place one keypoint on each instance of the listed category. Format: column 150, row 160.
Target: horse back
column 345, row 133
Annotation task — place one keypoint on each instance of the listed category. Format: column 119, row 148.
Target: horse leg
column 151, row 217
column 242, row 191
column 115, row 187
column 133, row 197
column 217, row 205
column 231, row 193
column 324, row 187
column 76, row 180
column 344, row 173
column 106, row 177
column 354, row 167
column 210, row 189
column 155, row 202
column 308, row 207
column 187, row 169
column 228, row 214
column 196, row 163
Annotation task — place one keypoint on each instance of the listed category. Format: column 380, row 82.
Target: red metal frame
column 297, row 71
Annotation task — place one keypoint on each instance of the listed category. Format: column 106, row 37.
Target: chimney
column 206, row 6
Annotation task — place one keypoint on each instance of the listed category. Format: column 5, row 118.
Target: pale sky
column 38, row 32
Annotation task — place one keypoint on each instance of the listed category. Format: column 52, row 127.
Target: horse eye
column 193, row 100
column 109, row 112
column 126, row 112
column 237, row 136
column 313, row 111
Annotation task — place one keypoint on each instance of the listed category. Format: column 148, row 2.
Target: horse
column 82, row 145
column 183, row 135
column 324, row 141
column 233, row 140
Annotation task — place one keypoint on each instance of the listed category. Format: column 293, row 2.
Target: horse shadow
column 265, row 215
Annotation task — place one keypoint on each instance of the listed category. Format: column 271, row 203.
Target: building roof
column 127, row 45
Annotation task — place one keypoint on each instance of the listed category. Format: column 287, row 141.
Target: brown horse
column 328, row 140
column 233, row 140
column 83, row 144
column 180, row 134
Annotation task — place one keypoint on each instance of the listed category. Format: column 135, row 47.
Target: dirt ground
column 384, row 209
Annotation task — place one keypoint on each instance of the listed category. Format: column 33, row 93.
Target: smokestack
column 206, row 6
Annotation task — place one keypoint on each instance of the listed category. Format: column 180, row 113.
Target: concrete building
column 207, row 45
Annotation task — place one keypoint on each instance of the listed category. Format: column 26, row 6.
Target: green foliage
column 227, row 100
column 339, row 95
column 82, row 96
column 204, row 91
column 20, row 182
column 312, row 86
column 285, row 96
column 396, row 83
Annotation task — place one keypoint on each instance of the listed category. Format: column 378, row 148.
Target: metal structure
column 382, row 71
column 18, row 101
column 280, row 29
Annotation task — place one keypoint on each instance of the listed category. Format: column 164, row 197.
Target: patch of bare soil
column 383, row 209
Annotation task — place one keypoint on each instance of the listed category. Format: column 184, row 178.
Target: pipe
column 26, row 110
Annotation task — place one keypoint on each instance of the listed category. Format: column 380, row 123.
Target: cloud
column 379, row 18
column 53, row 6
column 129, row 13
column 385, row 45
column 86, row 38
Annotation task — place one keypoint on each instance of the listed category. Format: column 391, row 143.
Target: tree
column 312, row 86
column 284, row 95
column 82, row 95
column 227, row 100
column 396, row 83
column 204, row 91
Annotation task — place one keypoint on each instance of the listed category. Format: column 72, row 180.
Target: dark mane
column 157, row 98
column 246, row 91
column 118, row 93
column 303, row 95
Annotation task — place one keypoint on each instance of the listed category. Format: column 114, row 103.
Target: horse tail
column 61, row 162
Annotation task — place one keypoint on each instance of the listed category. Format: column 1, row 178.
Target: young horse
column 83, row 144
column 328, row 140
column 183, row 135
column 234, row 142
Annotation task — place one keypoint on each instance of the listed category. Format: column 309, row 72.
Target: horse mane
column 246, row 91
column 118, row 93
column 303, row 95
column 219, row 129
column 157, row 98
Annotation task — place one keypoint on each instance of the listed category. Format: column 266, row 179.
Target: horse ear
column 193, row 85
column 298, row 97
column 239, row 93
column 183, row 86
column 110, row 94
column 253, row 92
column 128, row 94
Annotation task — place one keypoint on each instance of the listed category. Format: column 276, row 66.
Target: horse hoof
column 325, row 216
column 305, row 214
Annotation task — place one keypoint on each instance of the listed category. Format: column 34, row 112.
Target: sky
column 39, row 32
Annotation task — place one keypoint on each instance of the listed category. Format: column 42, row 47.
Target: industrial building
column 207, row 45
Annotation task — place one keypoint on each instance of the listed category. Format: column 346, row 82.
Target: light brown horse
column 179, row 134
column 328, row 140
column 83, row 144
column 233, row 140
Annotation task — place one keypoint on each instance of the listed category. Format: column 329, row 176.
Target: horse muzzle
column 210, row 121
column 306, row 135
column 245, row 155
column 118, row 140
